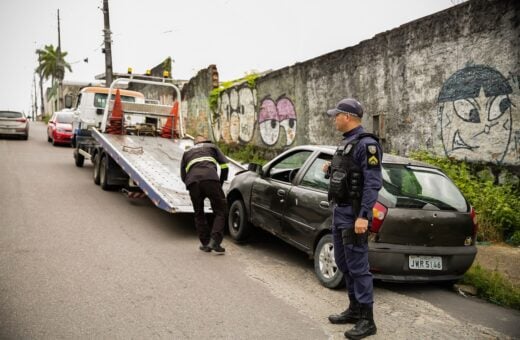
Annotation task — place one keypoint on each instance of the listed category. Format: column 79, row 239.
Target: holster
column 350, row 237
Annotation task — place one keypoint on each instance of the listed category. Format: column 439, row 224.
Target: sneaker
column 205, row 248
column 216, row 247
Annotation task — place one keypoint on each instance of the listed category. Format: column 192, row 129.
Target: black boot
column 213, row 245
column 205, row 247
column 350, row 315
column 365, row 326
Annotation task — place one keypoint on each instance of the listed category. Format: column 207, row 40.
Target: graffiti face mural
column 474, row 109
column 275, row 118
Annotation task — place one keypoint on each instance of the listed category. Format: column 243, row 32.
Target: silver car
column 14, row 123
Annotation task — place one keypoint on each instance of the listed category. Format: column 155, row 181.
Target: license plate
column 5, row 130
column 425, row 262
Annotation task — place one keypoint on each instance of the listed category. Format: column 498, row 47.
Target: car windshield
column 100, row 99
column 420, row 188
column 10, row 114
column 64, row 118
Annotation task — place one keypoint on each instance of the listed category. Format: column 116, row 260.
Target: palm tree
column 51, row 64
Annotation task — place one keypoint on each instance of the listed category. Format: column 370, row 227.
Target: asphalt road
column 79, row 262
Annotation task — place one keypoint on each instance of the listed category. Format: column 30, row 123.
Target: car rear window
column 10, row 114
column 421, row 188
column 64, row 117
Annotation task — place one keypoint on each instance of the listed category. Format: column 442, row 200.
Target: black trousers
column 212, row 190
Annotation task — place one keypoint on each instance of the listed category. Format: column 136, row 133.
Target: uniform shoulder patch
column 373, row 156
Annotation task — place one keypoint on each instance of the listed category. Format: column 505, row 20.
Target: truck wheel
column 238, row 225
column 325, row 266
column 96, row 162
column 103, row 173
column 79, row 158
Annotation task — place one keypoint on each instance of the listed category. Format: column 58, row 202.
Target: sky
column 239, row 36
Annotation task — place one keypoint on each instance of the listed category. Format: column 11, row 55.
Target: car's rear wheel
column 96, row 162
column 325, row 265
column 238, row 225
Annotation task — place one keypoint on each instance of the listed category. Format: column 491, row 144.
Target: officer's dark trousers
column 352, row 260
column 212, row 190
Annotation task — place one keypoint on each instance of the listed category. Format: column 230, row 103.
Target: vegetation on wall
column 248, row 153
column 496, row 204
column 214, row 95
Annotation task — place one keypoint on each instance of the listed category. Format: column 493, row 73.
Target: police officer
column 199, row 173
column 355, row 180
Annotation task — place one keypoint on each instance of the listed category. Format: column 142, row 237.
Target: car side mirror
column 255, row 168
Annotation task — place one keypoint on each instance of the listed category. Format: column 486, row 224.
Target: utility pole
column 108, row 45
column 35, row 111
column 60, row 92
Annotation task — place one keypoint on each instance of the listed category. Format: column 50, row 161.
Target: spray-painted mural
column 236, row 115
column 273, row 116
column 475, row 112
column 236, row 118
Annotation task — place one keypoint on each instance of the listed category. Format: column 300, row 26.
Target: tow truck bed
column 153, row 163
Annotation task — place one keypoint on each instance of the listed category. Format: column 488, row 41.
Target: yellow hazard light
column 130, row 70
column 166, row 74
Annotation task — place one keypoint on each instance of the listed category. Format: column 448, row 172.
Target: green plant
column 515, row 239
column 248, row 153
column 492, row 286
column 214, row 94
column 495, row 204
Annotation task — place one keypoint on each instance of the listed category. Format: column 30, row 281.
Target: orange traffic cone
column 169, row 129
column 116, row 118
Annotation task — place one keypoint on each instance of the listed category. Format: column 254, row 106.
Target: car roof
column 387, row 158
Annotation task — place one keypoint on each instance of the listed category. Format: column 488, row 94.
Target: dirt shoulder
column 502, row 258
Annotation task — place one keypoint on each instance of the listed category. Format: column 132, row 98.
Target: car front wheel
column 238, row 225
column 325, row 265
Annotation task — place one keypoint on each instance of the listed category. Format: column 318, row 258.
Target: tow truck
column 137, row 147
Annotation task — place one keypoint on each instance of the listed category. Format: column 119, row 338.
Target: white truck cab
column 90, row 106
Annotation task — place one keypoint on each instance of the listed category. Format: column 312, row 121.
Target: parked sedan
column 14, row 123
column 59, row 128
column 423, row 228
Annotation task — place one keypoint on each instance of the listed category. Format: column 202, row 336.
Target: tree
column 51, row 64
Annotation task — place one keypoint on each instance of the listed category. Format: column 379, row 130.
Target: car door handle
column 280, row 192
column 324, row 204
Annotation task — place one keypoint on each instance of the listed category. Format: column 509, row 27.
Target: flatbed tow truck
column 139, row 150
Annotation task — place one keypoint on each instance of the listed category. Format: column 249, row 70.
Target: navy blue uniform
column 352, row 259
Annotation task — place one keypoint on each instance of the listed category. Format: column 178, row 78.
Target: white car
column 14, row 123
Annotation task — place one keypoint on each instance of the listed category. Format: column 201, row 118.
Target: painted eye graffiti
column 268, row 122
column 276, row 115
column 498, row 106
column 467, row 110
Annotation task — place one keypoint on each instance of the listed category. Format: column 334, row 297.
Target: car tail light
column 473, row 216
column 379, row 211
column 22, row 120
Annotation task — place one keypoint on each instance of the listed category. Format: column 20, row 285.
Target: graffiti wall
column 447, row 83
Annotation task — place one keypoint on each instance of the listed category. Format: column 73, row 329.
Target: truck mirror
column 68, row 101
column 99, row 112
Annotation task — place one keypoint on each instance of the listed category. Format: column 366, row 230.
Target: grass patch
column 493, row 286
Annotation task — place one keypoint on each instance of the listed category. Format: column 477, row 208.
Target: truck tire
column 238, row 224
column 78, row 158
column 325, row 266
column 103, row 172
column 95, row 162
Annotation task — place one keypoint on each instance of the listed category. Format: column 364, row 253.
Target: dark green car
column 423, row 227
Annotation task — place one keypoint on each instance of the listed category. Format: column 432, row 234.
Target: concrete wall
column 448, row 83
